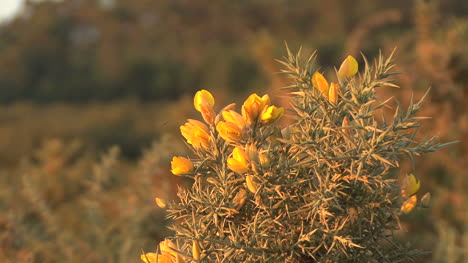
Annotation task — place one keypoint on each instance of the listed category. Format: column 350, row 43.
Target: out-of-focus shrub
column 62, row 204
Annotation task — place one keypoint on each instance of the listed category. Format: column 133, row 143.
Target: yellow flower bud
column 320, row 83
column 426, row 200
column 271, row 114
column 181, row 165
column 239, row 162
column 286, row 132
column 229, row 131
column 196, row 133
column 251, row 184
column 348, row 68
column 410, row 185
column 240, row 199
column 203, row 102
column 160, row 202
column 253, row 107
column 333, row 93
column 195, row 250
column 264, row 160
column 234, row 117
column 409, row 204
column 203, row 97
column 252, row 152
column 345, row 123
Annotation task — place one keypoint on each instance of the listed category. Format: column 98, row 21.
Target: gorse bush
column 321, row 189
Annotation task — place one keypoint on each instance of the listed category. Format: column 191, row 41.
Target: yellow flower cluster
column 348, row 68
column 243, row 160
column 255, row 110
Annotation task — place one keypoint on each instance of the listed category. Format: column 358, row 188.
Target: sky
column 9, row 8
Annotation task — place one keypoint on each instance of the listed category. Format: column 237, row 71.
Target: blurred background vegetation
column 92, row 94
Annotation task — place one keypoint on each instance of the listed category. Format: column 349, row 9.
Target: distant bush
column 63, row 204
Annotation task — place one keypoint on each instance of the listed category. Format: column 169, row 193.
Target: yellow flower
column 167, row 247
column 160, row 202
column 251, row 184
column 239, row 162
column 196, row 133
column 203, row 102
column 229, row 131
column 181, row 165
column 410, row 185
column 234, row 117
column 320, row 83
column 409, row 204
column 348, row 68
column 271, row 114
column 253, row 107
column 195, row 250
column 151, row 258
column 166, row 254
column 333, row 93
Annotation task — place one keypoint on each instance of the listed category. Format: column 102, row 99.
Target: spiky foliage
column 319, row 190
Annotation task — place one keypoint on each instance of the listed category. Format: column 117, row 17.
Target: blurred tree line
column 77, row 50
